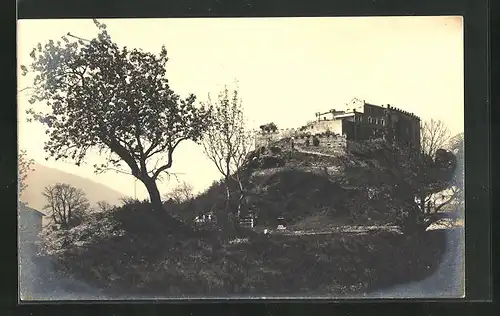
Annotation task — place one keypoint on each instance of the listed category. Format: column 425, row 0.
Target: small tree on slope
column 227, row 143
column 66, row 204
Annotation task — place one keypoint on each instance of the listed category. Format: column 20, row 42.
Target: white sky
column 287, row 69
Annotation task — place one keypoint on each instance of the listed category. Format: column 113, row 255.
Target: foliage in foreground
column 127, row 252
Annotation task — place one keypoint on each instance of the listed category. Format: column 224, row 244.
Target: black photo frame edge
column 477, row 121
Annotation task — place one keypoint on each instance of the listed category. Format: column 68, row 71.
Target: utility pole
column 135, row 189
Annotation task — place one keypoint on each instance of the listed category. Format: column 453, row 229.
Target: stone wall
column 266, row 138
column 332, row 143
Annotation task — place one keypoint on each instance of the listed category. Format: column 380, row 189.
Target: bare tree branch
column 65, row 203
column 434, row 135
column 226, row 141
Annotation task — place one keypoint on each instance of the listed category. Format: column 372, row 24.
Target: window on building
column 382, row 122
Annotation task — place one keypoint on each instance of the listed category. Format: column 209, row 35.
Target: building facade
column 360, row 121
column 30, row 225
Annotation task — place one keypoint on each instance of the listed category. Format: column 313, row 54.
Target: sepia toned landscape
column 270, row 159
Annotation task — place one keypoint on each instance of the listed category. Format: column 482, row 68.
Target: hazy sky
column 287, row 69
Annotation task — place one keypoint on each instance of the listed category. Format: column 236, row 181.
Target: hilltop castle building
column 363, row 121
column 357, row 121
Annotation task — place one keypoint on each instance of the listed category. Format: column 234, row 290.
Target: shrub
column 271, row 162
column 275, row 150
column 315, row 141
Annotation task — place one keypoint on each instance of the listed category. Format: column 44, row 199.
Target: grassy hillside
column 297, row 185
column 127, row 253
column 43, row 176
column 133, row 251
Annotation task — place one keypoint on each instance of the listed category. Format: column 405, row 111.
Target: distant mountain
column 43, row 176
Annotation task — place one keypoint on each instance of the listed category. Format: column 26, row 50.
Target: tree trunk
column 229, row 211
column 228, row 196
column 241, row 197
column 154, row 194
column 172, row 225
column 70, row 216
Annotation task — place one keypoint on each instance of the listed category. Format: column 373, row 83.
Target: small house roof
column 29, row 209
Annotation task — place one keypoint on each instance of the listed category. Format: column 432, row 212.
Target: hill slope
column 43, row 176
column 298, row 185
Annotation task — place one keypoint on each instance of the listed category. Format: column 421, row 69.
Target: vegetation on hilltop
column 374, row 184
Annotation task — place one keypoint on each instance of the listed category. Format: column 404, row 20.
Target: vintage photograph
column 252, row 158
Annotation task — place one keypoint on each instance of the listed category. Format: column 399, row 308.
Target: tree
column 24, row 166
column 456, row 146
column 66, row 204
column 104, row 206
column 437, row 171
column 269, row 127
column 315, row 141
column 434, row 135
column 128, row 201
column 227, row 143
column 181, row 193
column 114, row 100
column 417, row 187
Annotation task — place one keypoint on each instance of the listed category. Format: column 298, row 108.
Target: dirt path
column 342, row 229
column 314, row 153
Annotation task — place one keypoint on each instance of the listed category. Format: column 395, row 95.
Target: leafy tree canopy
column 114, row 99
column 269, row 127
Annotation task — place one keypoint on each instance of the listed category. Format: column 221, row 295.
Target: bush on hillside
column 94, row 228
column 142, row 263
column 315, row 141
column 295, row 195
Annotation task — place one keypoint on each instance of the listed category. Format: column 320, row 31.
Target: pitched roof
column 29, row 209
